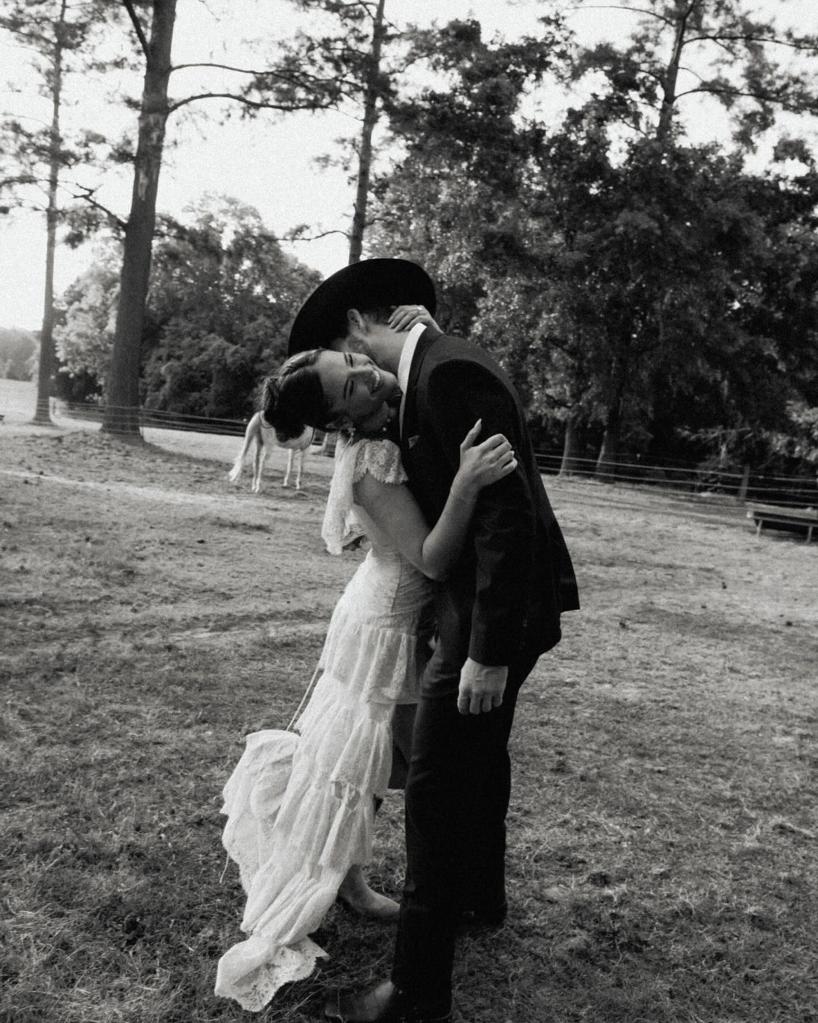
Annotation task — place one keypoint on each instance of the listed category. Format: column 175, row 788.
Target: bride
column 300, row 805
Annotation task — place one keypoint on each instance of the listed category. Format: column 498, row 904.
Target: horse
column 263, row 436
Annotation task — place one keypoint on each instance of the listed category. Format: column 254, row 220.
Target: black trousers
column 457, row 796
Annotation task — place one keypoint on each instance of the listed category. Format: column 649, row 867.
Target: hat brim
column 369, row 284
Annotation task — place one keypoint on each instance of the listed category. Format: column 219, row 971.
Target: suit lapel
column 410, row 418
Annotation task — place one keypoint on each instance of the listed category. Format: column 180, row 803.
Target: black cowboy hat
column 370, row 284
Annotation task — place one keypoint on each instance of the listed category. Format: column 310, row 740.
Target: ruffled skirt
column 300, row 806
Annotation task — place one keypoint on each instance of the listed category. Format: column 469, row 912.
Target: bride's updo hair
column 293, row 398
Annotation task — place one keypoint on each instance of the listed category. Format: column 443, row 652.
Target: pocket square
column 413, row 440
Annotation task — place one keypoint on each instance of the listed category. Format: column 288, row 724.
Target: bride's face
column 357, row 390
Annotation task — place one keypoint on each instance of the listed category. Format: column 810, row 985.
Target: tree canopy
column 649, row 292
column 222, row 295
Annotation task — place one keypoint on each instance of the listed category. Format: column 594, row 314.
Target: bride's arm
column 395, row 512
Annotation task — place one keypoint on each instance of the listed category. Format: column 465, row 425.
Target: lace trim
column 381, row 459
column 251, row 973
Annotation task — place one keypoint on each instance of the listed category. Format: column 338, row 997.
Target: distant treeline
column 18, row 353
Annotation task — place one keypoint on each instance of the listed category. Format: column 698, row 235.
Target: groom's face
column 357, row 339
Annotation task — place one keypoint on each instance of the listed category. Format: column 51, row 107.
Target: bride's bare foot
column 356, row 893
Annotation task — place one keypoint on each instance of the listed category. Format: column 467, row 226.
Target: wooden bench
column 783, row 517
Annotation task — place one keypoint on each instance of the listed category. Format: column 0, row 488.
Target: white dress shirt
column 405, row 364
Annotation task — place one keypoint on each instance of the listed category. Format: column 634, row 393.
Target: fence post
column 745, row 483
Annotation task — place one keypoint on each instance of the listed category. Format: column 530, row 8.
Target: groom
column 496, row 613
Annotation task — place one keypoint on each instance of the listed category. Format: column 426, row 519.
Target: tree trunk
column 608, row 453
column 571, row 461
column 744, row 486
column 47, row 360
column 122, row 406
column 671, row 76
column 606, row 464
column 371, row 93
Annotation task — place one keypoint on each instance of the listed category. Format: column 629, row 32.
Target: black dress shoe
column 383, row 1003
column 484, row 916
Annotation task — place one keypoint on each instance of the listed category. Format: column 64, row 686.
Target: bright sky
column 268, row 162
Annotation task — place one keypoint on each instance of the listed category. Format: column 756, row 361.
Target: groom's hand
column 481, row 687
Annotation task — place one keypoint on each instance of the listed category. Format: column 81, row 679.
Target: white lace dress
column 300, row 805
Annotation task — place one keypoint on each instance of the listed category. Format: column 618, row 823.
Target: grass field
column 664, row 827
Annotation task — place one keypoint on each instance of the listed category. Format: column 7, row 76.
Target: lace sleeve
column 379, row 458
column 338, row 512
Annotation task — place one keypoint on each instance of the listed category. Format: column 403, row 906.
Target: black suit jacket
column 514, row 578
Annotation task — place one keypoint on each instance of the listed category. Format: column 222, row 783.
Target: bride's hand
column 407, row 316
column 482, row 464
